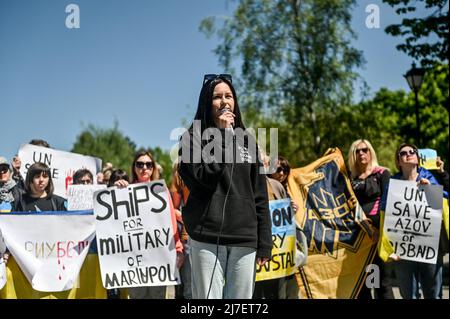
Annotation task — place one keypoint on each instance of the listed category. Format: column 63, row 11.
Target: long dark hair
column 37, row 169
column 204, row 108
column 116, row 175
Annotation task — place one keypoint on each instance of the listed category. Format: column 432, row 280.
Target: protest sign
column 2, row 261
column 49, row 247
column 427, row 158
column 412, row 220
column 282, row 263
column 135, row 237
column 81, row 197
column 62, row 164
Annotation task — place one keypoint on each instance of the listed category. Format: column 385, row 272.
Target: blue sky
column 139, row 61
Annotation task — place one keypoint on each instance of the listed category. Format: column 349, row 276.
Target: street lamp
column 415, row 79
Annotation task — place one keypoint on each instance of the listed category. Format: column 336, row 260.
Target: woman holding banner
column 410, row 273
column 227, row 214
column 369, row 181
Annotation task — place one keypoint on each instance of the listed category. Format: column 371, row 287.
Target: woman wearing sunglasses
column 9, row 190
column 369, row 181
column 226, row 214
column 410, row 274
column 144, row 170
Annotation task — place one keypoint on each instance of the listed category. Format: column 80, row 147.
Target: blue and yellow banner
column 339, row 249
column 282, row 263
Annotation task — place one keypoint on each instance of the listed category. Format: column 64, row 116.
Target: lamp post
column 414, row 77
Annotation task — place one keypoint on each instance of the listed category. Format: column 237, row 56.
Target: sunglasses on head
column 364, row 150
column 404, row 153
column 4, row 169
column 141, row 165
column 209, row 77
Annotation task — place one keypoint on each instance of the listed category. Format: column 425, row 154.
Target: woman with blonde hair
column 369, row 181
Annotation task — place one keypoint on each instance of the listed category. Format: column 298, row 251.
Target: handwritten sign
column 50, row 247
column 2, row 261
column 81, row 197
column 135, row 238
column 62, row 164
column 282, row 263
column 413, row 220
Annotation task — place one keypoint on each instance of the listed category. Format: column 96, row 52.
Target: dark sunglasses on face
column 404, row 153
column 209, row 77
column 280, row 169
column 364, row 150
column 141, row 165
column 4, row 169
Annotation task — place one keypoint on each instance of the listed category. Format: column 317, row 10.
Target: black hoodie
column 246, row 220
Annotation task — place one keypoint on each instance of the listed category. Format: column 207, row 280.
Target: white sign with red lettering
column 50, row 248
column 62, row 164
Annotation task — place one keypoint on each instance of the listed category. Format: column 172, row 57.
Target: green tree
column 111, row 145
column 388, row 119
column 420, row 32
column 297, row 65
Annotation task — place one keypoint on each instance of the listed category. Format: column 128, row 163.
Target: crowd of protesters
column 217, row 259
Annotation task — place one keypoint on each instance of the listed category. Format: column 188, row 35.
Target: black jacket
column 246, row 220
column 57, row 202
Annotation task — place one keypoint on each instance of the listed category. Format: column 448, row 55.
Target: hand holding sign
column 413, row 220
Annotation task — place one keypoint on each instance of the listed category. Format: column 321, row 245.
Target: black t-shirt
column 369, row 191
column 49, row 203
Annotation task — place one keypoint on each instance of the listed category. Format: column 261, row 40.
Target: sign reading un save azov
column 135, row 237
column 413, row 220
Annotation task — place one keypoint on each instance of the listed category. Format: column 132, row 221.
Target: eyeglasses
column 86, row 181
column 209, row 77
column 364, row 150
column 141, row 165
column 281, row 169
column 4, row 169
column 404, row 153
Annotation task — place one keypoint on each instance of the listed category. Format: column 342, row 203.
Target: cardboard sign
column 413, row 219
column 81, row 197
column 282, row 263
column 62, row 164
column 135, row 237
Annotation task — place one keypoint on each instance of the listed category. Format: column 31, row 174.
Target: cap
column 3, row 160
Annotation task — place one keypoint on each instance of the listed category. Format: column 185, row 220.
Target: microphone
column 222, row 111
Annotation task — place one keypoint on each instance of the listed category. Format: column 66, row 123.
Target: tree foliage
column 297, row 63
column 426, row 38
column 386, row 120
column 111, row 145
column 297, row 75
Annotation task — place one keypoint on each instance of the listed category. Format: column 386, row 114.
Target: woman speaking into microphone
column 227, row 214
